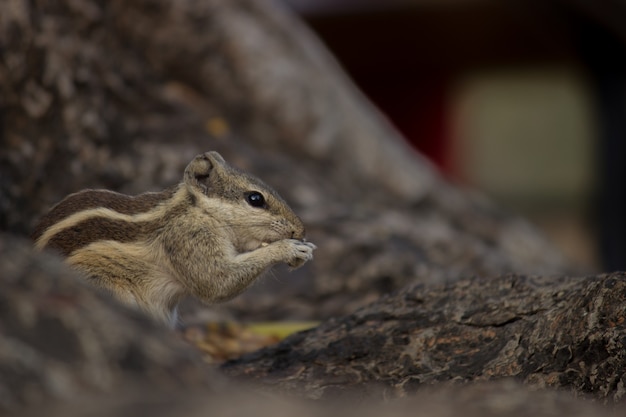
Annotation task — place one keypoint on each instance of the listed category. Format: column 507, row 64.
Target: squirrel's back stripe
column 81, row 227
column 94, row 229
column 91, row 199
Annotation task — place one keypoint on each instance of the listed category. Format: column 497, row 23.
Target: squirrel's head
column 254, row 212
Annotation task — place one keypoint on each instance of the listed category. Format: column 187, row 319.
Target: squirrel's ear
column 203, row 169
column 215, row 157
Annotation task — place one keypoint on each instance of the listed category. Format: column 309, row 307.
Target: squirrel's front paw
column 298, row 252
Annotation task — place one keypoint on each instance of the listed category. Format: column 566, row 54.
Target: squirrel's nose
column 298, row 234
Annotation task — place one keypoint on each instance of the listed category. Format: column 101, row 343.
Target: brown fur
column 87, row 199
column 201, row 237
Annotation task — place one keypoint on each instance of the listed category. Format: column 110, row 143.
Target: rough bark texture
column 66, row 351
column 547, row 332
column 60, row 340
column 121, row 95
column 476, row 400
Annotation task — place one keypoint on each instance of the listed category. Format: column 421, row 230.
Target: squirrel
column 210, row 236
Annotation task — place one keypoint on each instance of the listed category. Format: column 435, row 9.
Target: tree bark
column 122, row 95
column 567, row 333
column 66, row 351
column 62, row 341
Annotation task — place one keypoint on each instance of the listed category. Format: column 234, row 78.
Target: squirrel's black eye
column 255, row 199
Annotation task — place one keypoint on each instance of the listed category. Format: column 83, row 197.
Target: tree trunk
column 60, row 340
column 122, row 95
column 547, row 332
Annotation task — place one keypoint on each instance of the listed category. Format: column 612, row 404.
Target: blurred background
column 523, row 100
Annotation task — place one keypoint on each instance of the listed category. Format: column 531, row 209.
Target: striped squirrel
column 209, row 236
